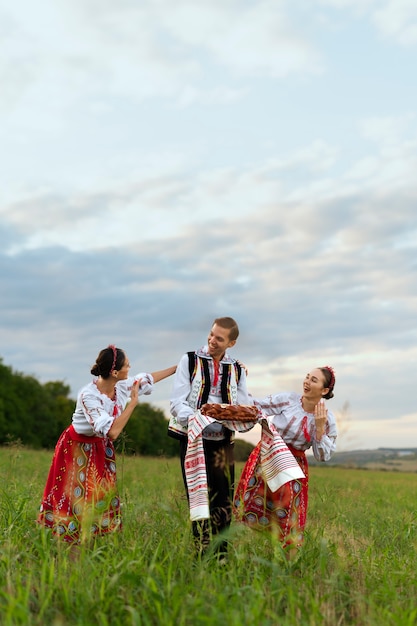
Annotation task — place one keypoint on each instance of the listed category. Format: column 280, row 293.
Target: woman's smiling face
column 313, row 385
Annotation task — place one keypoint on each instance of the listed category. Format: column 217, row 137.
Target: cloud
column 393, row 19
column 191, row 96
column 91, row 54
column 397, row 20
column 298, row 306
column 346, row 212
column 168, row 164
column 312, row 272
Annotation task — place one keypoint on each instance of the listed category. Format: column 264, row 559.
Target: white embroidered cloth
column 278, row 464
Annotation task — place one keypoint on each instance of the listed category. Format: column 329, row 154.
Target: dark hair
column 109, row 359
column 230, row 325
column 329, row 380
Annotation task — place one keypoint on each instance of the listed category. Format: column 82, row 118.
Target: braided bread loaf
column 237, row 412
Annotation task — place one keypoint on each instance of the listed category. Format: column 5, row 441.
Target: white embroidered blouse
column 182, row 406
column 296, row 426
column 95, row 412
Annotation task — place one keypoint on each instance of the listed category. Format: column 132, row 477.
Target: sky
column 165, row 163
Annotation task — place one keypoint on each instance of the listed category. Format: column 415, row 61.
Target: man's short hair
column 230, row 324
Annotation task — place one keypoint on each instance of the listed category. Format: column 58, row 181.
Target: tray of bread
column 236, row 412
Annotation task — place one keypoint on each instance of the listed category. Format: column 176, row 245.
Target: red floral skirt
column 283, row 511
column 81, row 498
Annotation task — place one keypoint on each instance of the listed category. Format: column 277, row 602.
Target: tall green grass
column 358, row 565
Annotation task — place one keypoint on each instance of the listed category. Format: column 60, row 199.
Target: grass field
column 358, row 565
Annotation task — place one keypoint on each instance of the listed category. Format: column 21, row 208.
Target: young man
column 210, row 375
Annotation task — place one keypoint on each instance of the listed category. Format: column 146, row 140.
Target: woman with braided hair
column 304, row 422
column 81, row 499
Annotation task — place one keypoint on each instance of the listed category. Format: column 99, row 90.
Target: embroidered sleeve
column 96, row 415
column 272, row 404
column 179, row 405
column 324, row 448
column 146, row 384
column 242, row 391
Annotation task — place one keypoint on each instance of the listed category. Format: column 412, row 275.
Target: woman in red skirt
column 81, row 498
column 303, row 421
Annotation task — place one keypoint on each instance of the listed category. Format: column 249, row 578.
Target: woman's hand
column 120, row 422
column 320, row 416
column 134, row 394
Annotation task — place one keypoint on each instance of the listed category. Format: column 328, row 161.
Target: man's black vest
column 193, row 363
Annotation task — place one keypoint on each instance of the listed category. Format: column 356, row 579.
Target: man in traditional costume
column 210, row 376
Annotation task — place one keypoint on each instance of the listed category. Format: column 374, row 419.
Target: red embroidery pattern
column 305, row 429
column 216, row 373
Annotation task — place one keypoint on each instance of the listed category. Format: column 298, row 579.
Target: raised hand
column 134, row 394
column 320, row 416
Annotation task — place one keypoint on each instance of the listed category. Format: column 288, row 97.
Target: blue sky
column 166, row 163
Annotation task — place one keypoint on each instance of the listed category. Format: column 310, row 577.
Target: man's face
column 218, row 342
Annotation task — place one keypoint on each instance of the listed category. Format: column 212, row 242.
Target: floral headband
column 112, row 347
column 332, row 376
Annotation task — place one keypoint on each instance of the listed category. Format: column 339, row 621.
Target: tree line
column 35, row 415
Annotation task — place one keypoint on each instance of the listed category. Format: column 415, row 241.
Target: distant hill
column 387, row 459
